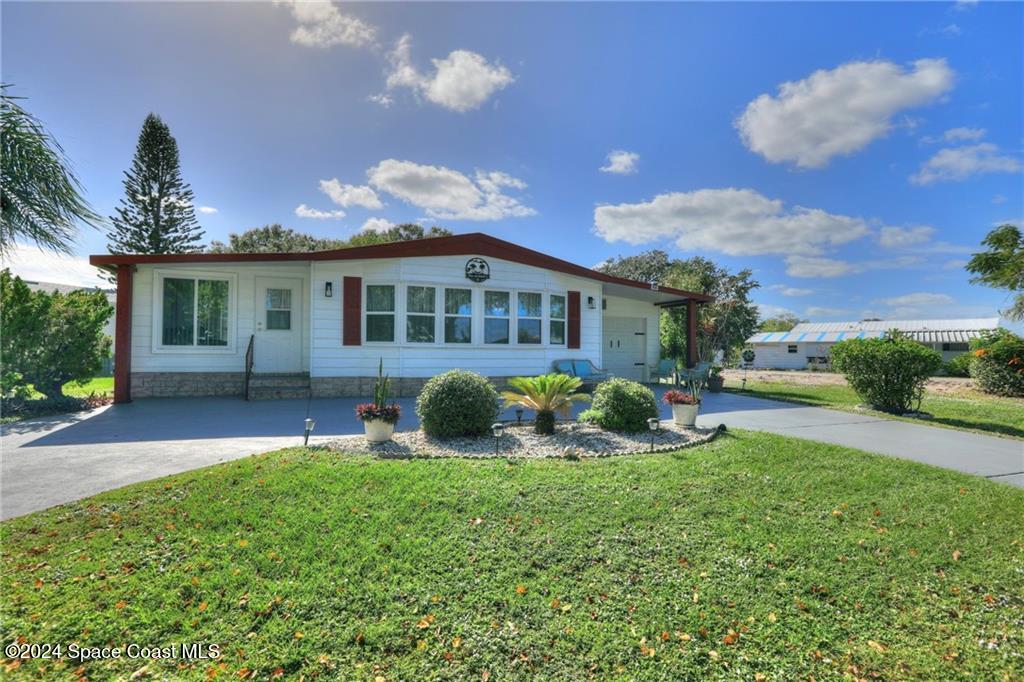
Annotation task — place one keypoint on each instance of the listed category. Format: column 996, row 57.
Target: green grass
column 97, row 385
column 38, row 405
column 754, row 555
column 972, row 411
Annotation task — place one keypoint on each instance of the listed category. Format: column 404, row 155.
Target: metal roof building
column 808, row 343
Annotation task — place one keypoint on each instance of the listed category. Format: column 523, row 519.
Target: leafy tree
column 277, row 239
column 51, row 339
column 40, row 197
column 156, row 214
column 779, row 323
column 1002, row 266
column 723, row 324
column 273, row 239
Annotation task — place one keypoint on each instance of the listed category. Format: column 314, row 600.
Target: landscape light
column 309, row 427
column 519, row 415
column 497, row 429
column 653, row 424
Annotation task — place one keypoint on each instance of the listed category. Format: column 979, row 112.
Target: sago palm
column 546, row 394
column 40, row 198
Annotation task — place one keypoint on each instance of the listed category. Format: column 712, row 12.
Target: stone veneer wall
column 362, row 387
column 186, row 384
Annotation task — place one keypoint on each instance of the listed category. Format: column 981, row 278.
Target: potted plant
column 685, row 404
column 379, row 418
column 715, row 379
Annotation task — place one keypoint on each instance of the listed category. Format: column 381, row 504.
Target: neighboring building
column 808, row 343
column 324, row 320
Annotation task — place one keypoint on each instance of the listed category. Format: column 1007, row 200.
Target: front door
column 278, row 344
column 624, row 344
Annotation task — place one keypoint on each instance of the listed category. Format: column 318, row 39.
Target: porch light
column 591, row 303
column 328, row 289
column 519, row 415
column 497, row 429
column 309, row 428
column 654, row 425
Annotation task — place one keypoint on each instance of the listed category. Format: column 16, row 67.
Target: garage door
column 624, row 344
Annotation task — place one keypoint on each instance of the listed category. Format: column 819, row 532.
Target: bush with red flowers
column 386, row 413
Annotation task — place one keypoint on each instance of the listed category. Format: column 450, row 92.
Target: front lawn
column 756, row 557
column 970, row 410
column 94, row 392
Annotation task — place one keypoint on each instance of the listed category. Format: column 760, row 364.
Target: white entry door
column 278, row 344
column 624, row 345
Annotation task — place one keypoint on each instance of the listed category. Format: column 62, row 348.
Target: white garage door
column 624, row 344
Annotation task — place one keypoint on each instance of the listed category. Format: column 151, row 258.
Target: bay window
column 419, row 314
column 380, row 312
column 458, row 315
column 528, row 317
column 496, row 316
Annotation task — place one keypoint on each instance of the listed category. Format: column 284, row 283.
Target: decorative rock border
column 569, row 441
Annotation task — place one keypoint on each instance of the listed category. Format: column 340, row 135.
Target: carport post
column 691, row 333
column 123, row 336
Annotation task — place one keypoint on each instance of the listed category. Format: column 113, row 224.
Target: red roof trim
column 474, row 243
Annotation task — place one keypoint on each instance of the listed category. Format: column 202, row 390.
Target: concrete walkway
column 54, row 460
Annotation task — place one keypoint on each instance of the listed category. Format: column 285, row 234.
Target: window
column 380, row 312
column 791, row 348
column 528, row 317
column 195, row 312
column 955, row 347
column 419, row 317
column 279, row 309
column 496, row 316
column 458, row 315
column 556, row 311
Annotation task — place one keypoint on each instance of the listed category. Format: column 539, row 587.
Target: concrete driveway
column 53, row 460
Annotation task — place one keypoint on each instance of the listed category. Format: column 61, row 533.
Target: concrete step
column 277, row 392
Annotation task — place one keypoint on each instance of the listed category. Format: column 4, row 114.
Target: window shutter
column 573, row 336
column 352, row 311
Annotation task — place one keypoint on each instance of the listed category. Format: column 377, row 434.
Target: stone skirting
column 187, row 384
column 362, row 387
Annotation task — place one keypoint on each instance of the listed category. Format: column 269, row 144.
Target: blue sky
column 853, row 155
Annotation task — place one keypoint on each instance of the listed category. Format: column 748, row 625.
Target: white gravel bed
column 569, row 440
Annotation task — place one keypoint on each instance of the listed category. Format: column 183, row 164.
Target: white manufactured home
column 291, row 323
column 808, row 344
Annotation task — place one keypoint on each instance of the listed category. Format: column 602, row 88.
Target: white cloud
column 33, row 264
column 999, row 199
column 965, row 5
column 810, row 266
column 304, row 211
column 322, row 25
column 461, row 81
column 898, row 237
column 954, row 264
column 916, row 299
column 790, row 291
column 963, row 134
column 960, row 163
column 738, row 222
column 621, row 162
column 766, row 310
column 350, row 195
column 377, row 225
column 208, row 210
column 818, row 311
column 383, row 99
column 838, row 112
column 447, row 194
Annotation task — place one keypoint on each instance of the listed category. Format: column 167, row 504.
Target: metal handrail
column 248, row 364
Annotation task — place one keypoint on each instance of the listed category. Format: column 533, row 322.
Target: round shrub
column 457, row 403
column 889, row 373
column 622, row 405
column 998, row 363
column 959, row 366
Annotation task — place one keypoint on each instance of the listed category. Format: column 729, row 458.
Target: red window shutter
column 574, row 320
column 352, row 311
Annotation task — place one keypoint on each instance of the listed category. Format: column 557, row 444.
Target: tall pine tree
column 156, row 214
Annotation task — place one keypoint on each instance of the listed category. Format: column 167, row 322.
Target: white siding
column 777, row 356
column 331, row 358
column 147, row 358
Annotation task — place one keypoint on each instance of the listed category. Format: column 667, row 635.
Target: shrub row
column 997, row 363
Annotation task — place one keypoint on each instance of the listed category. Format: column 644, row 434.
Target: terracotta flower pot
column 378, row 430
column 685, row 415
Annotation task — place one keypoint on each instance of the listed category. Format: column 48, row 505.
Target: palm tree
column 546, row 394
column 40, row 197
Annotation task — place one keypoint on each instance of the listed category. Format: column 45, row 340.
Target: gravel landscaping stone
column 570, row 440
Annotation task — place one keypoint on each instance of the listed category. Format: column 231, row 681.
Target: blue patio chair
column 699, row 373
column 665, row 368
column 563, row 367
column 586, row 371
